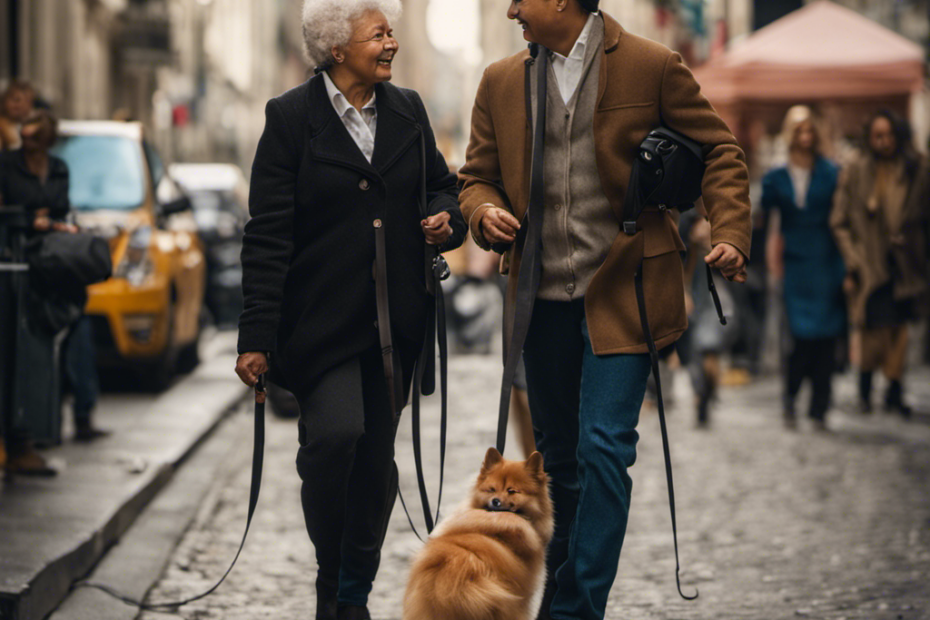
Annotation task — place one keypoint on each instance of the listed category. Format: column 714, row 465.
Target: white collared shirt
column 568, row 70
column 361, row 126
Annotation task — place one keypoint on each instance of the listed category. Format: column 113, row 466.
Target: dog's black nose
column 496, row 503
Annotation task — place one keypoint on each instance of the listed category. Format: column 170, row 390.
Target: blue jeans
column 81, row 370
column 585, row 410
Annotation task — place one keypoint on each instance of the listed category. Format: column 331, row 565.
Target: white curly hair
column 328, row 23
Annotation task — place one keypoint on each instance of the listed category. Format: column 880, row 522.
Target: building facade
column 196, row 73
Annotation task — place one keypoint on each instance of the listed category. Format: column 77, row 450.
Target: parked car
column 220, row 195
column 147, row 316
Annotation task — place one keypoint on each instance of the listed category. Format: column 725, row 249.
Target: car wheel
column 189, row 357
column 158, row 375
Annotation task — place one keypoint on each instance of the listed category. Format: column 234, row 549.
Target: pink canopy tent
column 822, row 51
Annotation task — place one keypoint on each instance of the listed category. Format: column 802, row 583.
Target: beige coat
column 641, row 86
column 865, row 240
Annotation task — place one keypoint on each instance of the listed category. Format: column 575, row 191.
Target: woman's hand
column 499, row 226
column 64, row 227
column 729, row 260
column 437, row 228
column 250, row 365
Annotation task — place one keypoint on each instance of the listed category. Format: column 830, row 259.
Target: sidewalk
column 773, row 525
column 53, row 531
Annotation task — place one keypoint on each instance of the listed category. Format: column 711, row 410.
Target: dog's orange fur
column 487, row 565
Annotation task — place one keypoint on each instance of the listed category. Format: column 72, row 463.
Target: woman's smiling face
column 371, row 49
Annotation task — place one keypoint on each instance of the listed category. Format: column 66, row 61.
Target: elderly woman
column 880, row 215
column 805, row 254
column 337, row 225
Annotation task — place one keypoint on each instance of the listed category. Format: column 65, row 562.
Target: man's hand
column 437, row 228
column 250, row 365
column 499, row 226
column 729, row 261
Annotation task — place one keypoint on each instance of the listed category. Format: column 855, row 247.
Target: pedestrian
column 16, row 104
column 34, row 179
column 706, row 341
column 338, row 164
column 805, row 257
column 585, row 354
column 880, row 215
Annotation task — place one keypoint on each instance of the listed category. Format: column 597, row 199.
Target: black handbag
column 69, row 262
column 667, row 172
column 61, row 267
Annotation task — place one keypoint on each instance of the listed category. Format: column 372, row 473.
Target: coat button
column 558, row 207
column 570, row 289
column 376, row 223
column 364, row 185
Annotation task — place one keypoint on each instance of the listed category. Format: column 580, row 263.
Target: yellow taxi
column 148, row 314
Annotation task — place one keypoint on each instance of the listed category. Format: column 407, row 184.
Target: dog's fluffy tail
column 456, row 586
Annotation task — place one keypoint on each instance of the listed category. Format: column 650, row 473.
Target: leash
column 424, row 382
column 654, row 359
column 258, row 453
column 530, row 265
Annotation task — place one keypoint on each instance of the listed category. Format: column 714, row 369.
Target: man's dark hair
column 589, row 5
column 903, row 135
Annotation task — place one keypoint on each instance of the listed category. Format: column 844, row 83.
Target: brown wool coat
column 865, row 240
column 641, row 86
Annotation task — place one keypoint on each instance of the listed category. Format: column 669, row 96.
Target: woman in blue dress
column 806, row 256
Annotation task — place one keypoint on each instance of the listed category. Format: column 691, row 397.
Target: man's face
column 535, row 16
column 18, row 105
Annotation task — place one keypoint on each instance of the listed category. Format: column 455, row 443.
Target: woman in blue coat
column 807, row 257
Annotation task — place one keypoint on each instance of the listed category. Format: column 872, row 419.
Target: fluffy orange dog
column 487, row 559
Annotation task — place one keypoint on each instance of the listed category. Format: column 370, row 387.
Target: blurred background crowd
column 136, row 121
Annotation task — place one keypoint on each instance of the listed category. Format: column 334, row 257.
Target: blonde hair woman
column 807, row 258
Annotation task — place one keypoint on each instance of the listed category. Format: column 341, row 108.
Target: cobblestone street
column 773, row 524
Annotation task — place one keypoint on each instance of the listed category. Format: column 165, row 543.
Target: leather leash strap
column 258, row 457
column 530, row 265
column 424, row 376
column 393, row 378
column 654, row 358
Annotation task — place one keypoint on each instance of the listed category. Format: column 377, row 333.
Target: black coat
column 309, row 247
column 20, row 187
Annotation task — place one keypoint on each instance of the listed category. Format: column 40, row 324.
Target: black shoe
column 353, row 612
column 894, row 399
column 29, row 463
column 865, row 392
column 327, row 600
column 86, row 433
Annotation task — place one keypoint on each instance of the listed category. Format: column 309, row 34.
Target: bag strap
column 654, row 359
column 258, row 457
column 530, row 265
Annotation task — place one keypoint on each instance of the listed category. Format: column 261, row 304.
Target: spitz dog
column 487, row 559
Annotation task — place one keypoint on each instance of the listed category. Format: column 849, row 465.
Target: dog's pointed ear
column 534, row 464
column 492, row 458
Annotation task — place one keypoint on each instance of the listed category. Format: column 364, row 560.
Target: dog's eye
column 512, row 491
column 491, row 490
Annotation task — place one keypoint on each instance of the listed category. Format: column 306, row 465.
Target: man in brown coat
column 585, row 352
column 880, row 216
